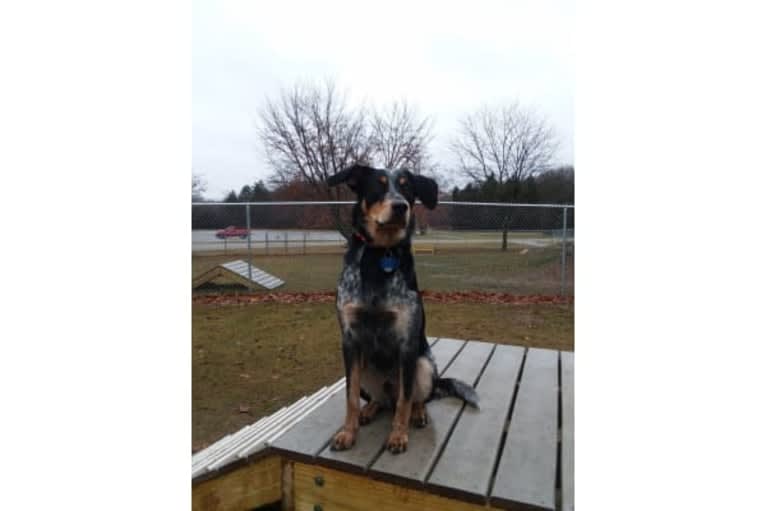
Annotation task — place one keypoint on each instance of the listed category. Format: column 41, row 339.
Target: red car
column 232, row 232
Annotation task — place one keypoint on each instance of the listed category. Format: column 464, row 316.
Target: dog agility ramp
column 238, row 271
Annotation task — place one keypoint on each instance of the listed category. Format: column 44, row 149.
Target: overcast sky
column 447, row 59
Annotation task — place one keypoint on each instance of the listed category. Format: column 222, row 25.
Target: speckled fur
column 381, row 314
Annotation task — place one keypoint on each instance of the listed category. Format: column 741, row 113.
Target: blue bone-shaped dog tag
column 389, row 263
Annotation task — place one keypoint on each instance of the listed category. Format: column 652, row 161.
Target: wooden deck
column 515, row 452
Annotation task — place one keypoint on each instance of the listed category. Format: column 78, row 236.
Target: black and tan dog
column 387, row 357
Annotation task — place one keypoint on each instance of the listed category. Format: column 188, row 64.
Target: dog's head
column 385, row 199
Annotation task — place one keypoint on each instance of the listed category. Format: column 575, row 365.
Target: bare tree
column 399, row 136
column 509, row 143
column 309, row 133
column 198, row 188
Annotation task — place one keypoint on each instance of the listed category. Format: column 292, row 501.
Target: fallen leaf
column 431, row 296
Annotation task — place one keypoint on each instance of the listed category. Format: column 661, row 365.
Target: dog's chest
column 387, row 307
column 389, row 293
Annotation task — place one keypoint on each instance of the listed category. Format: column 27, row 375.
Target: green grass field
column 517, row 271
column 265, row 356
column 489, row 235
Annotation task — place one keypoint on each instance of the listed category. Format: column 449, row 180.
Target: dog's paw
column 397, row 442
column 343, row 440
column 419, row 417
column 420, row 421
column 369, row 411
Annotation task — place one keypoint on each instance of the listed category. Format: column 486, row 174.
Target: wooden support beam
column 428, row 249
column 288, row 503
column 206, row 276
column 243, row 489
column 332, row 489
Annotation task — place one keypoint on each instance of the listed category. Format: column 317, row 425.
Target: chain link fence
column 523, row 249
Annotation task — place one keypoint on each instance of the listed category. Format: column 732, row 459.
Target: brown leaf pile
column 428, row 296
column 492, row 297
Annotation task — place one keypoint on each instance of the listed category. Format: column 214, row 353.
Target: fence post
column 285, row 242
column 267, row 242
column 304, row 242
column 564, row 253
column 249, row 245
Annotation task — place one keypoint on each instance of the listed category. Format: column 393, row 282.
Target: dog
column 386, row 355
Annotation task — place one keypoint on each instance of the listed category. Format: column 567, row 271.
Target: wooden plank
column 425, row 444
column 242, row 270
column 248, row 487
column 448, row 348
column 371, row 438
column 423, row 249
column 235, row 265
column 465, row 467
column 310, row 435
column 268, row 282
column 304, row 440
column 260, row 277
column 348, row 492
column 567, row 430
column 263, row 278
column 526, row 473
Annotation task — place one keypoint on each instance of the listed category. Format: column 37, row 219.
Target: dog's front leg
column 397, row 440
column 345, row 438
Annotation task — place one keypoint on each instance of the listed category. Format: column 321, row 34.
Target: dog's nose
column 399, row 209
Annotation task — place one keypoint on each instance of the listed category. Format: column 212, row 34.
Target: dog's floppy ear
column 352, row 176
column 426, row 190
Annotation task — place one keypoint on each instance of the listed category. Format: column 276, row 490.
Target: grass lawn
column 262, row 357
column 489, row 235
column 517, row 271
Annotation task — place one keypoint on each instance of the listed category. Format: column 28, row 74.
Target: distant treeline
column 553, row 187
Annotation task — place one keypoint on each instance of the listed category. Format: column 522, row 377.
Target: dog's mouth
column 391, row 225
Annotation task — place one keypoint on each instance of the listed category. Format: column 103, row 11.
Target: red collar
column 358, row 235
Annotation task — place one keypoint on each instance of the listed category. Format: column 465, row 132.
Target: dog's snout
column 399, row 209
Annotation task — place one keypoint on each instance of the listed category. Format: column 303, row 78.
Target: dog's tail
column 456, row 388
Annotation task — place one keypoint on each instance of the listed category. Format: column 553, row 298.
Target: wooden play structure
column 239, row 271
column 515, row 452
